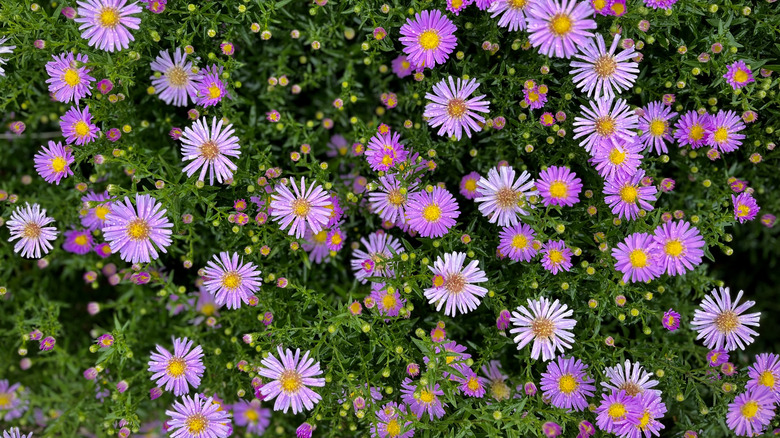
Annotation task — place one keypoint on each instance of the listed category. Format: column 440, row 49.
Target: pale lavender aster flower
column 468, row 185
column 655, row 126
column 209, row 149
column 601, row 72
column 454, row 286
column 451, row 108
column 637, row 257
column 502, row 197
column 512, row 13
column 546, row 324
column 13, row 405
column 680, row 246
column 69, row 78
column 3, row 50
column 14, row 432
column 496, row 381
column 428, row 39
column 250, row 414
column 566, row 383
column 557, row 28
column 176, row 82
column 374, row 261
column 625, row 195
column 422, row 399
column 629, row 377
column 134, row 231
column 720, row 321
column 432, row 214
column 751, row 412
column 291, row 378
column 316, row 246
column 300, row 209
column 389, row 202
column 606, row 118
column 198, row 418
column 77, row 126
column 97, row 209
column 28, row 224
column 106, row 22
column 230, row 280
column 178, row 370
column 53, row 162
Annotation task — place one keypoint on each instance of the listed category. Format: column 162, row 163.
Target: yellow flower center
column 519, row 241
column 721, row 135
column 426, row 396
column 559, row 189
column 740, row 76
column 58, row 164
column 176, row 367
column 506, row 198
column 335, row 239
column 696, row 132
column 533, row 96
column 301, row 207
column 658, row 127
column 101, row 211
column 567, row 384
column 387, row 159
column 560, row 25
column 638, row 258
column 81, row 128
column 177, row 77
column 767, row 379
column 727, row 321
column 393, row 429
column 605, row 66
column 395, row 198
column 429, row 40
column 290, row 381
column 644, row 420
column 670, row 320
column 431, row 213
column 599, row 4
column 618, row 8
column 405, row 64
column 208, row 309
column 109, row 17
column 81, row 240
column 456, row 108
column 500, row 390
column 197, row 423
column 321, row 237
column 605, row 126
column 616, row 411
column 628, row 194
column 251, row 415
column 231, row 280
column 743, row 210
column 456, row 4
column 517, row 4
column 71, row 77
column 214, row 91
column 749, row 409
column 473, row 384
column 389, row 301
column 455, row 283
column 617, row 156
column 138, row 229
column 542, row 328
column 5, row 399
column 555, row 256
column 673, row 248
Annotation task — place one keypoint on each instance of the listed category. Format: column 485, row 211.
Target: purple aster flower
column 78, row 242
column 47, row 343
column 602, row 72
column 428, row 39
column 566, row 384
column 655, row 126
column 502, row 197
column 230, row 280
column 53, row 162
column 180, row 370
column 751, row 412
column 4, row 50
column 517, row 242
column 385, row 151
column 174, row 81
column 77, row 126
column 388, row 300
column 374, row 261
column 625, row 195
column 558, row 185
column 692, row 129
column 252, row 415
column 198, row 418
column 335, row 239
column 432, row 214
column 615, row 157
column 512, row 13
column 209, row 86
column 390, row 201
column 745, row 207
column 401, row 66
column 551, row 429
column 456, row 6
column 69, row 78
column 720, row 321
column 97, row 209
column 291, row 378
column 660, row 4
column 337, row 146
column 470, row 384
column 14, row 432
column 680, row 246
column 316, row 246
column 637, row 257
column 422, row 399
column 556, row 256
column 557, row 28
column 671, row 320
column 651, row 408
column 617, row 410
column 304, row 430
column 630, row 378
column 534, row 96
column 738, row 75
column 391, row 422
column 717, row 357
column 451, row 108
column 607, row 118
column 723, row 132
column 546, row 324
column 496, row 380
column 28, row 224
column 765, row 373
column 106, row 22
column 132, row 231
column 209, row 149
column 454, row 286
column 12, row 406
column 304, row 209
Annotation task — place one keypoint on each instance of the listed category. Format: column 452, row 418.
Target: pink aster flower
column 517, row 242
column 454, row 286
column 77, row 126
column 304, row 209
column 617, row 410
column 558, row 185
column 651, row 409
column 78, row 242
column 546, row 324
column 252, row 415
column 615, row 157
column 291, row 376
column 388, row 300
column 655, row 126
column 512, row 13
column 135, row 231
column 637, row 257
column 198, row 418
column 745, row 207
column 607, row 118
column 557, row 28
column 470, row 384
column 53, row 162
column 625, row 195
column 423, row 398
column 566, row 384
column 209, row 149
column 765, row 373
column 174, row 81
column 432, row 214
column 601, row 72
column 385, row 151
column 502, row 197
column 180, row 370
column 671, row 320
column 69, row 78
column 720, row 321
column 556, row 256
column 751, row 412
column 468, row 185
column 692, row 129
column 106, row 22
column 28, row 224
column 391, row 422
column 451, row 109
column 374, row 261
column 428, row 39
column 724, row 131
column 739, row 75
column 230, row 280
column 209, row 86
column 680, row 247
